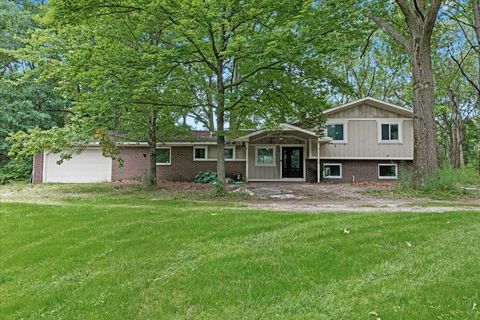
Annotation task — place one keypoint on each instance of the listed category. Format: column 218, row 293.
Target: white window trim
column 333, row 164
column 388, row 177
column 400, row 131
column 206, row 154
column 234, row 153
column 274, row 156
column 345, row 130
column 170, row 157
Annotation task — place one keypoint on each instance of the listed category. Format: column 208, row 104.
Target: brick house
column 364, row 140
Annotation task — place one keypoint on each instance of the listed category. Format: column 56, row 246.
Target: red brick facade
column 37, row 174
column 135, row 166
column 182, row 168
column 362, row 170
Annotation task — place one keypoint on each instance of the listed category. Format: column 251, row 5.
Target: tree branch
column 243, row 79
column 394, row 33
column 407, row 11
column 419, row 8
column 465, row 75
column 429, row 22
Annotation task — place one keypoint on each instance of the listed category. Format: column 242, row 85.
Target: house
column 365, row 140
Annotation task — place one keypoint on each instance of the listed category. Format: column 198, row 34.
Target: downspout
column 318, row 161
column 246, row 162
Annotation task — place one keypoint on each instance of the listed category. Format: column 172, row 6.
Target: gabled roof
column 374, row 102
column 281, row 127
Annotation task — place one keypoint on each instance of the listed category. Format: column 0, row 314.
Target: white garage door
column 88, row 166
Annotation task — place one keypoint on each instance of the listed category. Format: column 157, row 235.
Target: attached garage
column 88, row 166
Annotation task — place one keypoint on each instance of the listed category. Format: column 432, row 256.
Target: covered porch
column 281, row 154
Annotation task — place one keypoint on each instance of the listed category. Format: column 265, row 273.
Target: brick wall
column 363, row 170
column 135, row 166
column 37, row 174
column 182, row 167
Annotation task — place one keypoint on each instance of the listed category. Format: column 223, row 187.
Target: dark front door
column 292, row 162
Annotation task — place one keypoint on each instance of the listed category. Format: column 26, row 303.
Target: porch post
column 318, row 161
column 246, row 161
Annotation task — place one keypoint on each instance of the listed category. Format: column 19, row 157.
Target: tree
column 26, row 101
column 457, row 74
column 375, row 68
column 415, row 37
column 250, row 62
column 115, row 72
column 229, row 64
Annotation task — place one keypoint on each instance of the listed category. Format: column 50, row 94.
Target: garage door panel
column 88, row 166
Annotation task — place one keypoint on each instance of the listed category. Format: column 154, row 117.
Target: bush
column 445, row 183
column 205, row 177
column 15, row 170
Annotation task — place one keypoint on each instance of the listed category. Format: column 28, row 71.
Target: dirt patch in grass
column 308, row 197
column 343, row 197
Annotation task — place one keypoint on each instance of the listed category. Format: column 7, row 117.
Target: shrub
column 445, row 183
column 15, row 170
column 206, row 177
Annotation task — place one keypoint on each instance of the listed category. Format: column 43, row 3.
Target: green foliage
column 15, row 170
column 447, row 183
column 206, row 177
column 219, row 187
column 26, row 101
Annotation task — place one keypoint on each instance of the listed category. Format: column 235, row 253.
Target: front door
column 292, row 162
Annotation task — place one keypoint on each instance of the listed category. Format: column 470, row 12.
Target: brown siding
column 363, row 170
column 37, row 174
column 364, row 111
column 362, row 142
column 263, row 172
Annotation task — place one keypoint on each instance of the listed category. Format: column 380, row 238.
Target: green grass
column 126, row 253
column 444, row 204
column 446, row 184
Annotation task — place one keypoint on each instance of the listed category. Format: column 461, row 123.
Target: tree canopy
column 149, row 70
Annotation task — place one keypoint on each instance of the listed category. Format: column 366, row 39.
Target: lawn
column 97, row 253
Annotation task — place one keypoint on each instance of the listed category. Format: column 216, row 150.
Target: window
column 163, row 156
column 387, row 171
column 335, row 131
column 390, row 132
column 265, row 156
column 332, row 170
column 229, row 153
column 200, row 153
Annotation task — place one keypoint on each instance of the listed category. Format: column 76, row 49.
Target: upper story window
column 390, row 132
column 200, row 153
column 265, row 156
column 163, row 156
column 229, row 153
column 337, row 131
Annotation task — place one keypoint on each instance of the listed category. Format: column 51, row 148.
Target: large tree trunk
column 152, row 143
column 220, row 129
column 426, row 158
column 420, row 23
